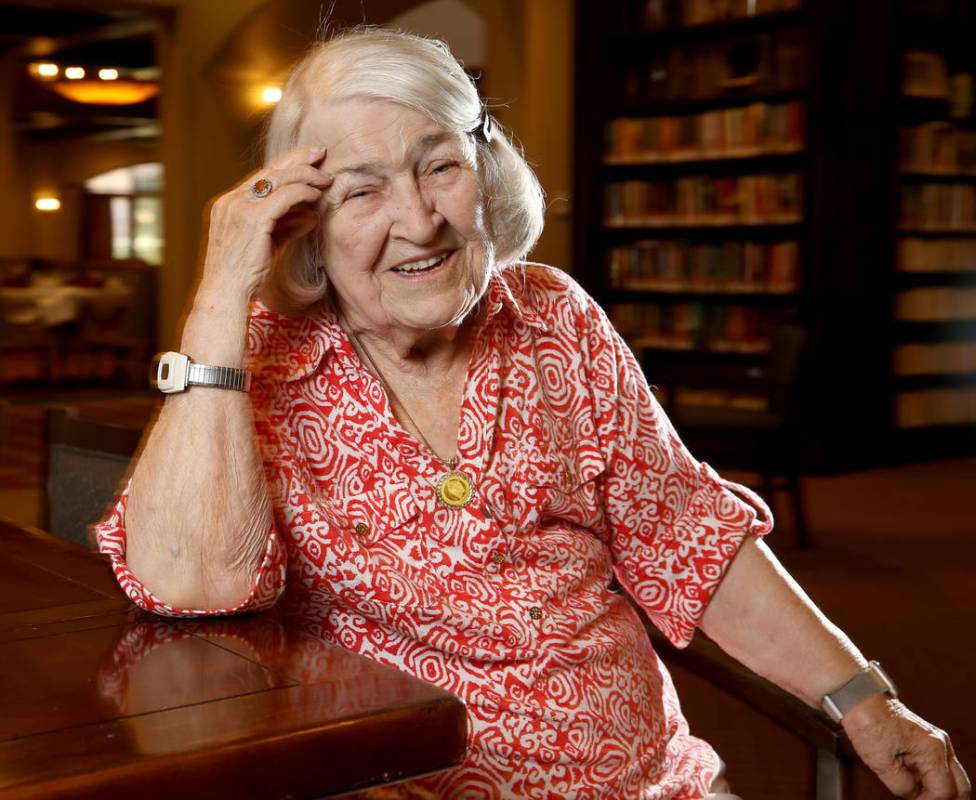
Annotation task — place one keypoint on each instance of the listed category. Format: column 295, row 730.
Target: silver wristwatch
column 175, row 372
column 867, row 683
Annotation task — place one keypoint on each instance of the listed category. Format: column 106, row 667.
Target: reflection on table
column 102, row 700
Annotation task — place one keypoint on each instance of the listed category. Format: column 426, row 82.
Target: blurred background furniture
column 87, row 461
column 764, row 432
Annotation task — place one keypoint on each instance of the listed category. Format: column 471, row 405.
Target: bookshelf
column 933, row 359
column 744, row 165
column 691, row 209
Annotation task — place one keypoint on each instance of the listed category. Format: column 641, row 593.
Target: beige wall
column 61, row 168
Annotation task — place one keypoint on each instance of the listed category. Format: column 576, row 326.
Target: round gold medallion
column 455, row 489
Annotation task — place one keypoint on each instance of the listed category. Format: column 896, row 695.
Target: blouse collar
column 291, row 348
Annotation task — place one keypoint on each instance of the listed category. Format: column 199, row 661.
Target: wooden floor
column 893, row 563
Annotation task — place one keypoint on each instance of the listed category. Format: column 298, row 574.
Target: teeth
column 416, row 266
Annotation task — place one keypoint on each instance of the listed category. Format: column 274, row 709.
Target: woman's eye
column 444, row 166
column 358, row 193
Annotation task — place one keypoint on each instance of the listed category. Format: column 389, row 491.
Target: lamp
column 110, row 88
column 46, row 202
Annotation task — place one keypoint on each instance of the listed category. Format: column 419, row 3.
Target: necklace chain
column 450, row 462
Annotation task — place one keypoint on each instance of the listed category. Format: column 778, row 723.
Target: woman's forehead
column 371, row 129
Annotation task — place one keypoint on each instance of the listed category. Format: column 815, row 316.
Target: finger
column 932, row 766
column 285, row 199
column 294, row 224
column 302, row 173
column 964, row 789
column 296, row 157
column 899, row 780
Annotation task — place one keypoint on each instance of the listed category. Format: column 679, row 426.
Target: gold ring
column 261, row 187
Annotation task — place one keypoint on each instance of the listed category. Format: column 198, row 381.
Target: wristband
column 868, row 682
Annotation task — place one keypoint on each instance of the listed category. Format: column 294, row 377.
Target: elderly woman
column 452, row 453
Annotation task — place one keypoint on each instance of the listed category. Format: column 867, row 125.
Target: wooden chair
column 31, row 339
column 835, row 758
column 87, row 461
column 768, row 442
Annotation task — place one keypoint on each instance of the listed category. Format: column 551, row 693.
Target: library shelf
column 945, row 380
column 948, row 278
column 624, row 294
column 934, row 331
column 677, row 106
column 720, row 29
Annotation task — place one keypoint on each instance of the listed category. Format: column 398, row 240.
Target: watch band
column 219, row 377
column 175, row 372
column 868, row 682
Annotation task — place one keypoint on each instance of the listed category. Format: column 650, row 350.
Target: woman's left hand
column 911, row 757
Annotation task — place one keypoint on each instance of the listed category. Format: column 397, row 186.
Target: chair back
column 87, row 462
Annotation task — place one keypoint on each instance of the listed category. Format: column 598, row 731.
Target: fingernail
column 316, row 150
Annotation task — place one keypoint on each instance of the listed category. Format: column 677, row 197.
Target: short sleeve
column 268, row 584
column 673, row 524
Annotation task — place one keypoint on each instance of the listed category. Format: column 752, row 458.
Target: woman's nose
column 415, row 216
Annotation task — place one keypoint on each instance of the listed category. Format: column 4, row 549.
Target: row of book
column 935, row 407
column 658, row 14
column 670, row 266
column 935, row 359
column 936, row 255
column 926, row 76
column 751, row 130
column 686, row 397
column 692, row 326
column 937, row 148
column 938, row 207
column 935, row 303
column 704, row 200
column 767, row 63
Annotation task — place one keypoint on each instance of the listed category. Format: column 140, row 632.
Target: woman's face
column 403, row 233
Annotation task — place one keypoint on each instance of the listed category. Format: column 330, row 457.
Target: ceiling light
column 108, row 74
column 74, row 73
column 107, row 93
column 47, row 203
column 46, row 69
column 270, row 95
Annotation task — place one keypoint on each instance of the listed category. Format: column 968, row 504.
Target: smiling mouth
column 422, row 266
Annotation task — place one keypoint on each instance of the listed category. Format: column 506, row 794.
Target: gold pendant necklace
column 454, row 488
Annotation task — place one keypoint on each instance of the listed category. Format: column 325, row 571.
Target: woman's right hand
column 245, row 231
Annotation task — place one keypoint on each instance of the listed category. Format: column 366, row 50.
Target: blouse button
column 497, row 558
column 535, row 612
column 362, row 528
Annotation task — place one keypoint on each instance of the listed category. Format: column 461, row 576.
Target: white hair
column 421, row 74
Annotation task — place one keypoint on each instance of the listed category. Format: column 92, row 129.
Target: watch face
column 169, row 372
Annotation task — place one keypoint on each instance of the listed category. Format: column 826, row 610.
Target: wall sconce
column 74, row 73
column 47, row 202
column 270, row 95
column 108, row 74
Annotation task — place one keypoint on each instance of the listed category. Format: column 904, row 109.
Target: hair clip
column 484, row 126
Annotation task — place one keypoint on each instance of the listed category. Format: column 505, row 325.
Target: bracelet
column 868, row 682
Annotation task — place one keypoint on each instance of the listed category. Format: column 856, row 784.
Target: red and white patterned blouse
column 506, row 602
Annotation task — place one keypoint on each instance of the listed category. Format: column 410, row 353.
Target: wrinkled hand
column 245, row 231
column 911, row 757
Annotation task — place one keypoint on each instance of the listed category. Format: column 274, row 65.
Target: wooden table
column 99, row 700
